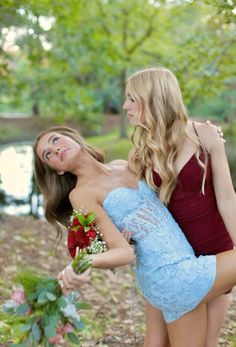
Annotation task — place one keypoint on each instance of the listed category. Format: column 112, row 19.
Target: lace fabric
column 168, row 273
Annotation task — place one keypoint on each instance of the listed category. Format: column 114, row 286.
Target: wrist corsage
column 84, row 234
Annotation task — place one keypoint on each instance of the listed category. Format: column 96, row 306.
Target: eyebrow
column 130, row 96
column 44, row 152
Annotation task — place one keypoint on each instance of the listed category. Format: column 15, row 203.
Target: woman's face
column 57, row 151
column 132, row 107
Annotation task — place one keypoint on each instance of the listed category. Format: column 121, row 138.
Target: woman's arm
column 119, row 251
column 223, row 186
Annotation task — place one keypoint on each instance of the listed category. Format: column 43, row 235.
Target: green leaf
column 36, row 332
column 42, row 298
column 51, row 285
column 61, row 302
column 73, row 338
column 86, row 228
column 24, row 327
column 50, row 331
column 22, row 309
column 78, row 324
column 30, row 340
column 32, row 296
column 51, row 296
column 81, row 219
column 91, row 217
column 53, row 319
column 45, row 320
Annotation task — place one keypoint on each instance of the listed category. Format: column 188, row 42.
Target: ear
column 60, row 173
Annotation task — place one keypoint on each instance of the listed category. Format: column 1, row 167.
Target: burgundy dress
column 197, row 214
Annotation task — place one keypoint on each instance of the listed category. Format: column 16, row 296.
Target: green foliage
column 38, row 312
column 230, row 130
column 29, row 282
column 113, row 146
column 230, row 136
column 222, row 106
column 231, row 155
column 71, row 61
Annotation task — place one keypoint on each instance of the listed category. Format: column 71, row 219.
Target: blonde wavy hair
column 56, row 188
column 163, row 125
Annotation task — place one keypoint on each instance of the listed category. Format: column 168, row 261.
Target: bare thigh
column 225, row 275
column 156, row 330
column 190, row 329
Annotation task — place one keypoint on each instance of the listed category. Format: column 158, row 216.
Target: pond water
column 18, row 192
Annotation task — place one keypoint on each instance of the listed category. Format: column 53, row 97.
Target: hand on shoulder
column 210, row 135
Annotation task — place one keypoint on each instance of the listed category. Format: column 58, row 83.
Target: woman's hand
column 219, row 130
column 69, row 281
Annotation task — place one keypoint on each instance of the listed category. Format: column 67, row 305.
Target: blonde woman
column 185, row 163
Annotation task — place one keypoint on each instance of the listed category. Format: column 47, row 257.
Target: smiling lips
column 62, row 153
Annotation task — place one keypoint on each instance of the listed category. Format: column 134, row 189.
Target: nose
column 125, row 107
column 57, row 150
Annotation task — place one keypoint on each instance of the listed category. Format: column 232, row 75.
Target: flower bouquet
column 38, row 314
column 84, row 234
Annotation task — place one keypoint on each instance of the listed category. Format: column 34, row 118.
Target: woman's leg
column 216, row 311
column 190, row 329
column 156, row 331
column 225, row 275
column 194, row 322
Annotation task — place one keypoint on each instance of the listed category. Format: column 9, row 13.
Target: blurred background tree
column 63, row 60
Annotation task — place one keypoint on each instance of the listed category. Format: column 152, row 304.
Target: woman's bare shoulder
column 209, row 134
column 80, row 195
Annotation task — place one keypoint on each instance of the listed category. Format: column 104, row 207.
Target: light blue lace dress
column 170, row 276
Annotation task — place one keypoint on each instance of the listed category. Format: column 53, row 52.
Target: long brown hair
column 56, row 188
column 156, row 139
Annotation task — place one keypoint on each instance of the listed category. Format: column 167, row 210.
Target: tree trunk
column 35, row 109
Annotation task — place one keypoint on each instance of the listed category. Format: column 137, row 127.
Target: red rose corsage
column 84, row 234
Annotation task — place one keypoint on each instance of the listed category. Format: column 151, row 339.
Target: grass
column 114, row 147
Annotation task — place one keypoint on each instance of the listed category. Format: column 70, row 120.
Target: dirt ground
column 116, row 317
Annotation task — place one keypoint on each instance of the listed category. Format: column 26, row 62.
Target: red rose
column 79, row 238
column 75, row 222
column 71, row 243
column 91, row 233
column 82, row 238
